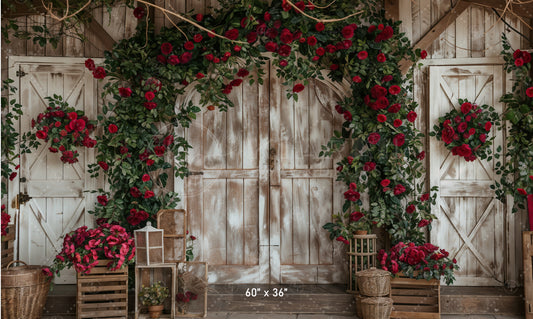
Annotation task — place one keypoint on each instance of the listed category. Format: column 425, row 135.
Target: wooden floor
column 316, row 301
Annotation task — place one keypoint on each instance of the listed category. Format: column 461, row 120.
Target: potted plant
column 153, row 297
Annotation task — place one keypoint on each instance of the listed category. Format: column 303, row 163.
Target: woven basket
column 24, row 291
column 376, row 308
column 374, row 282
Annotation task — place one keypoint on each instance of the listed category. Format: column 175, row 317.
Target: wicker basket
column 376, row 308
column 374, row 282
column 24, row 291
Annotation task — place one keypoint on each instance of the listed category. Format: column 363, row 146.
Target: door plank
column 300, row 233
column 234, row 129
column 235, row 222
column 286, row 242
column 215, row 220
column 251, row 222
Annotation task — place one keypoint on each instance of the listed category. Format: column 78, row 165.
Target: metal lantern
column 149, row 245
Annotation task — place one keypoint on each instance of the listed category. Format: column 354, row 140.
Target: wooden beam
column 521, row 9
column 100, row 35
column 392, row 9
column 425, row 42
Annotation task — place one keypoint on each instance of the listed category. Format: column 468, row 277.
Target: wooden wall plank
column 234, row 130
column 320, row 202
column 301, row 130
column 287, row 132
column 321, row 118
column 114, row 21
column 286, row 242
column 477, row 18
column 251, row 222
column 235, row 222
column 214, row 221
column 250, row 128
column 91, row 49
column 300, row 215
column 214, row 140
column 33, row 48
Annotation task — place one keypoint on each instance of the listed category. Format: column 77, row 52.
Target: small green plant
column 153, row 295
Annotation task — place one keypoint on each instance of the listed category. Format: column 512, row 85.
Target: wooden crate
column 7, row 246
column 196, row 308
column 103, row 293
column 362, row 255
column 174, row 224
column 148, row 275
column 527, row 253
column 415, row 298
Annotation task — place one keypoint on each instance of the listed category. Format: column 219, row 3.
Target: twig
column 66, row 16
column 323, row 20
column 188, row 20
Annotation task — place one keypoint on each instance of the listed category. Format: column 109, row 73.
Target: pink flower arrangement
column 5, row 220
column 64, row 127
column 83, row 248
column 426, row 261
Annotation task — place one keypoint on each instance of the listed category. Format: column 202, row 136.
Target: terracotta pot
column 155, row 311
column 361, row 232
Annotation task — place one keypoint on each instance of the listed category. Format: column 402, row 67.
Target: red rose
column 284, row 50
column 271, row 33
column 283, row 63
column 159, row 150
column 41, row 134
column 242, row 73
column 397, row 123
column 423, row 54
column 209, row 57
column 398, row 139
column 488, row 125
column 381, row 57
column 267, row 16
column 466, row 107
column 103, row 165
column 385, row 183
column 189, row 45
column 89, row 64
column 173, row 60
column 238, row 48
column 382, row 118
column 373, row 138
column 369, row 166
column 311, row 41
column 320, row 51
column 424, row 197
column 235, row 82
column 519, row 62
column 362, row 55
column 347, row 116
column 200, row 75
column 526, row 56
column 483, row 138
column 271, row 46
column 286, row 36
column 199, row 17
column 319, row 27
column 232, row 34
column 12, row 176
column 161, row 59
column 99, row 73
column 298, row 88
column 462, row 127
column 77, row 125
column 146, row 178
column 377, row 91
column 517, row 53
column 149, row 95
column 148, row 194
column 472, row 131
column 149, row 162
column 168, row 140
column 399, row 189
column 371, row 28
column 352, row 195
column 423, row 223
column 139, row 12
column 410, row 209
column 149, row 105
column 135, row 192
column 395, row 108
column 112, row 128
column 166, row 48
column 521, row 191
column 356, row 216
column 350, row 160
column 333, row 67
column 447, row 134
column 250, row 38
column 386, row 33
column 198, row 38
column 124, row 92
column 102, row 200
column 394, row 90
column 186, row 57
column 357, row 79
column 52, row 149
column 529, row 91
column 339, row 109
column 347, row 32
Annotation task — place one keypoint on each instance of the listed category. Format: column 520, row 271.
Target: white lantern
column 149, row 245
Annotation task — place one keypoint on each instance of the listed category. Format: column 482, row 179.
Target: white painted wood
column 470, row 222
column 59, row 202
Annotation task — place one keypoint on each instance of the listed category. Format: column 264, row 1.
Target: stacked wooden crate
column 7, row 246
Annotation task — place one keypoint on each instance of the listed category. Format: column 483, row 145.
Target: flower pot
column 361, row 232
column 155, row 311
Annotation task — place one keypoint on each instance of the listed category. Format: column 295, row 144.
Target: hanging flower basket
column 466, row 132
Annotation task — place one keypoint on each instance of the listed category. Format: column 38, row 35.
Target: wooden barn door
column 58, row 202
column 259, row 194
column 471, row 221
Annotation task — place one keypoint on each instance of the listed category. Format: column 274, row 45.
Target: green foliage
column 154, row 295
column 515, row 163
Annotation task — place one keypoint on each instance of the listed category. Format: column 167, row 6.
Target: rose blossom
column 373, row 138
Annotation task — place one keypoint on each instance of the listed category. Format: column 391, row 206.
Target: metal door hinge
column 20, row 199
column 21, row 73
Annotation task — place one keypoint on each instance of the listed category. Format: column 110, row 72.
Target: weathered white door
column 259, row 194
column 58, row 202
column 471, row 221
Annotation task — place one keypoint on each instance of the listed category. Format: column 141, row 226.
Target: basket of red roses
column 466, row 132
column 64, row 127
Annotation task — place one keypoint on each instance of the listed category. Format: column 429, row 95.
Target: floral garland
column 517, row 171
column 83, row 248
column 466, row 132
column 419, row 262
column 64, row 127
